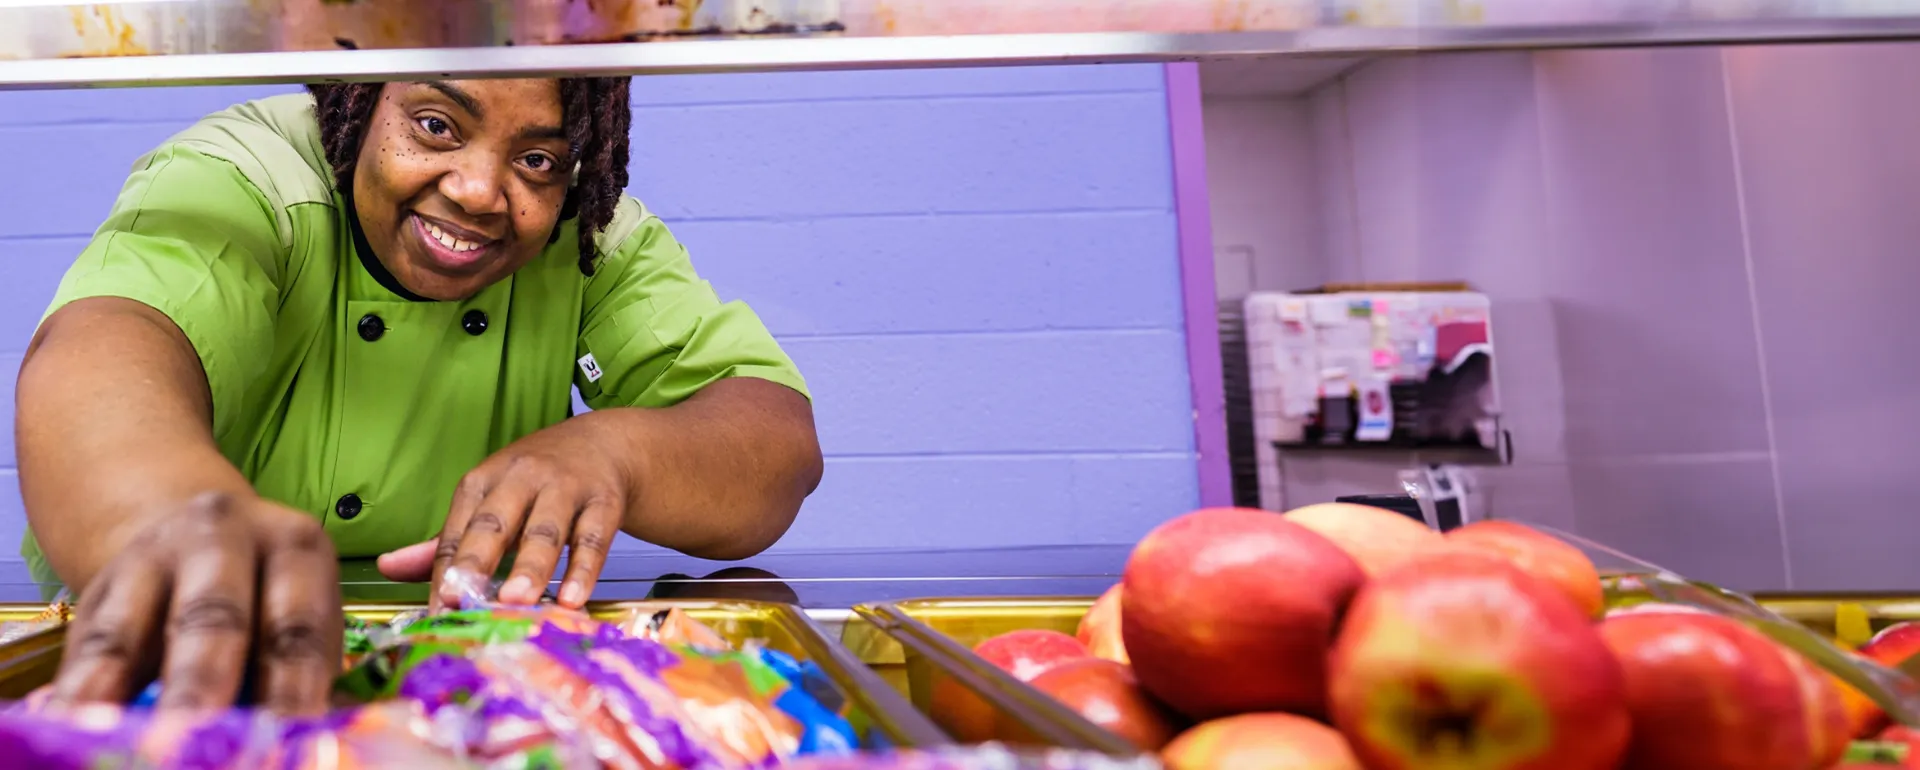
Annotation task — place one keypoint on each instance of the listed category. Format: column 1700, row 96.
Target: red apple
column 1099, row 629
column 1893, row 645
column 1028, row 652
column 1459, row 660
column 1265, row 741
column 1377, row 538
column 1230, row 610
column 965, row 716
column 1707, row 693
column 1539, row 554
column 1824, row 712
column 1107, row 694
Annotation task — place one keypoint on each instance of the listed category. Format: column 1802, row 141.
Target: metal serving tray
column 923, row 647
column 879, row 713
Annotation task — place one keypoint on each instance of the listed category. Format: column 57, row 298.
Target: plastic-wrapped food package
column 636, row 702
column 656, row 689
column 491, row 687
column 102, row 737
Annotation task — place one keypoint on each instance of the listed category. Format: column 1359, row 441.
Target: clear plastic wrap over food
column 486, row 686
column 106, row 737
column 1633, row 583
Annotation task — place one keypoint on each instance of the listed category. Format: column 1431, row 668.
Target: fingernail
column 572, row 594
column 516, row 588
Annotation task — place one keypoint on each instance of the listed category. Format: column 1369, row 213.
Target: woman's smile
column 451, row 247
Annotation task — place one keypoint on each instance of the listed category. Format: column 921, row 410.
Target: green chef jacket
column 337, row 394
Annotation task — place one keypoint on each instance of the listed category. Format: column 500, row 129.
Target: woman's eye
column 541, row 162
column 435, row 126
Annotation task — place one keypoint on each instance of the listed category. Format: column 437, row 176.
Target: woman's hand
column 561, row 486
column 198, row 591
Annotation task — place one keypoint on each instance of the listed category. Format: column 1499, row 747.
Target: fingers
column 494, row 525
column 593, row 534
column 299, row 634
column 412, row 564
column 547, row 528
column 116, row 630
column 466, row 499
column 211, row 622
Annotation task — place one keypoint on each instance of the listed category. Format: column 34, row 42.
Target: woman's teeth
column 447, row 240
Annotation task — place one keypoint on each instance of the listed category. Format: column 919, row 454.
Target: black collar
column 364, row 251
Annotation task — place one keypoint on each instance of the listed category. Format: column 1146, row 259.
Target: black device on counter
column 1446, row 510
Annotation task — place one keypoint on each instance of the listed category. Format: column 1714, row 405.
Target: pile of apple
column 1865, row 720
column 1340, row 637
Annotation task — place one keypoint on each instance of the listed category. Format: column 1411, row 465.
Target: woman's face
column 460, row 183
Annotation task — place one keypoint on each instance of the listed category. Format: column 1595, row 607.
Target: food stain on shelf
column 104, row 32
column 1229, row 15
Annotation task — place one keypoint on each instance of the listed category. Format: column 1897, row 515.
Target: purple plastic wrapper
column 571, row 693
column 105, row 737
column 983, row 757
column 607, row 688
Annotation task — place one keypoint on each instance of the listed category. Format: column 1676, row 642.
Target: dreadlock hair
column 593, row 111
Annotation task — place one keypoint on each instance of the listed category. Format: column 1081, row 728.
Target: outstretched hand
column 556, row 488
column 224, row 591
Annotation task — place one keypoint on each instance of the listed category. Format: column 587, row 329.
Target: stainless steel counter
column 811, row 579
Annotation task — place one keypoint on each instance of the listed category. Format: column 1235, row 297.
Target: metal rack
column 830, row 51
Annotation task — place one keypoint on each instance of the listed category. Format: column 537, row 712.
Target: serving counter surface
column 811, row 579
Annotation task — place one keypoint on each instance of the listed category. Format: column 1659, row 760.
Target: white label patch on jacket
column 590, row 368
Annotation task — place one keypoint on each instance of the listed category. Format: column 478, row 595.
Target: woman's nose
column 475, row 185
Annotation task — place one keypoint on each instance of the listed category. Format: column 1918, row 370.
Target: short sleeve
column 656, row 332
column 190, row 237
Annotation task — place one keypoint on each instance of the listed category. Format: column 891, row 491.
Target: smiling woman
column 350, row 323
column 388, row 145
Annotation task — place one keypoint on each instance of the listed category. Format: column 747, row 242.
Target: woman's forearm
column 113, row 426
column 722, row 474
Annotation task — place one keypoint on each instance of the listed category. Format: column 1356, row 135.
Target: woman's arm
column 113, row 424
column 722, row 474
column 182, row 569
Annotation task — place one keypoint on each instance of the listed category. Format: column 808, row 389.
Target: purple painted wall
column 976, row 269
column 1700, row 261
